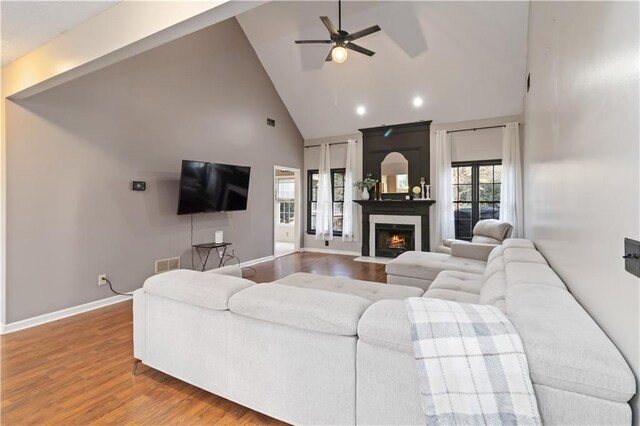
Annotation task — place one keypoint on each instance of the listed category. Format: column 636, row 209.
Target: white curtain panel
column 445, row 227
column 349, row 210
column 324, row 212
column 511, row 190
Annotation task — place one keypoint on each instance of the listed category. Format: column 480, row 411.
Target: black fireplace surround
column 394, row 239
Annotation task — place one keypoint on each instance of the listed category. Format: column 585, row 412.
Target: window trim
column 475, row 189
column 311, row 172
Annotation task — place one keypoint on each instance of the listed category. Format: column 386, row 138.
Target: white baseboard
column 330, row 251
column 243, row 264
column 64, row 313
column 256, row 261
column 75, row 310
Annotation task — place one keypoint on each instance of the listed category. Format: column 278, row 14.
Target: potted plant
column 365, row 185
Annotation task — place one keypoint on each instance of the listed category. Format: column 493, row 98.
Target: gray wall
column 581, row 151
column 72, row 151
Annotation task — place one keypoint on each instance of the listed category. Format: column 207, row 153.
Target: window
column 337, row 186
column 285, row 196
column 287, row 212
column 476, row 194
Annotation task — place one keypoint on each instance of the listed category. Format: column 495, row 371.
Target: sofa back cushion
column 304, row 308
column 494, row 229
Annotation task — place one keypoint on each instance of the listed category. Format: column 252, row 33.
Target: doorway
column 286, row 211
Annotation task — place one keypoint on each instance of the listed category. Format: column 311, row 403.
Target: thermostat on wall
column 138, row 185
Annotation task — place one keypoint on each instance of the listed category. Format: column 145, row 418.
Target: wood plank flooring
column 77, row 371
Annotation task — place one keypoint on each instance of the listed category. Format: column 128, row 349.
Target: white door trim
column 297, row 221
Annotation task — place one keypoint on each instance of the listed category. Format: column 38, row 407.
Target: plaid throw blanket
column 472, row 367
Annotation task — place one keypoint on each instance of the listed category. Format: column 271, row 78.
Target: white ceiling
column 27, row 25
column 465, row 59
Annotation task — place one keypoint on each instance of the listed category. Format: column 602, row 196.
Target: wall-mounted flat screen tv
column 211, row 187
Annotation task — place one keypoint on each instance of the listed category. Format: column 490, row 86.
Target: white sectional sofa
column 325, row 350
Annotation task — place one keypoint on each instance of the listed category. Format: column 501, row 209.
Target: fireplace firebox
column 394, row 239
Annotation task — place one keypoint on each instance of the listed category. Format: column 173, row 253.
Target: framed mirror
column 394, row 174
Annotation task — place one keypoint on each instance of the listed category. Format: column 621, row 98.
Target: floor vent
column 164, row 265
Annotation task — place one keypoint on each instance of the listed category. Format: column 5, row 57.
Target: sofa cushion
column 211, row 291
column 456, row 280
column 517, row 254
column 565, row 348
column 367, row 289
column 518, row 242
column 481, row 239
column 454, row 295
column 493, row 289
column 496, row 252
column 307, row 309
column 532, row 273
column 418, row 264
column 495, row 265
column 385, row 323
column 492, row 228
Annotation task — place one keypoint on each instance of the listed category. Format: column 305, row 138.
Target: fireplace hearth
column 394, row 239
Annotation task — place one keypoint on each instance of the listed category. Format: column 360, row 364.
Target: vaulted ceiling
column 466, row 60
column 27, row 25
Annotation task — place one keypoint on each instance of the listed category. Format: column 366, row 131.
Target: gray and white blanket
column 472, row 367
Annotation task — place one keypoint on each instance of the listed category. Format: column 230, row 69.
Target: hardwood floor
column 77, row 371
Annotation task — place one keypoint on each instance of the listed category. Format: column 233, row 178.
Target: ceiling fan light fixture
column 339, row 54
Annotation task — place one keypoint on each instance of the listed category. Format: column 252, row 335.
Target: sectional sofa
column 310, row 349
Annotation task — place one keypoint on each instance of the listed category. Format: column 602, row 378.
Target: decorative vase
column 365, row 193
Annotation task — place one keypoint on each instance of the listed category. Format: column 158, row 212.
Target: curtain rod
column 333, row 143
column 477, row 128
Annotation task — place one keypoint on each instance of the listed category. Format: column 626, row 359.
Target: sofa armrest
column 472, row 250
column 449, row 241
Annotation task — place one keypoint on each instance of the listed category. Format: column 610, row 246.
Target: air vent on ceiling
column 164, row 265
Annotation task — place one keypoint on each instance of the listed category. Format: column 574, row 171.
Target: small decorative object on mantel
column 416, row 192
column 366, row 185
column 426, row 190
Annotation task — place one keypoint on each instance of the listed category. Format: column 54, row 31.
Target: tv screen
column 211, row 187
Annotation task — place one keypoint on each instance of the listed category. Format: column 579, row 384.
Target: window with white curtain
column 337, row 185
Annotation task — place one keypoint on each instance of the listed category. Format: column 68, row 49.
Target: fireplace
column 394, row 239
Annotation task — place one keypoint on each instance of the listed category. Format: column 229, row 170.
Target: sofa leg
column 135, row 366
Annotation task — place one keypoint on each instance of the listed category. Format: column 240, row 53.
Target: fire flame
column 397, row 242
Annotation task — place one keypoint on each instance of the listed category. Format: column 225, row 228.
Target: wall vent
column 164, row 265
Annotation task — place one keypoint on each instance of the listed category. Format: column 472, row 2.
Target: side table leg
column 224, row 253
column 136, row 362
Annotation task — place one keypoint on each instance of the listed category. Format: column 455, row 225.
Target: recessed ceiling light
column 361, row 110
column 417, row 102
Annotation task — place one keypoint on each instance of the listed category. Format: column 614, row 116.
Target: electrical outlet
column 102, row 279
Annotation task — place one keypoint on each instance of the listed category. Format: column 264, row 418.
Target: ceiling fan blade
column 329, row 57
column 313, row 42
column 359, row 49
column 362, row 33
column 327, row 23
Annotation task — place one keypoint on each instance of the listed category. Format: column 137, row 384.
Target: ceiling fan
column 341, row 39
